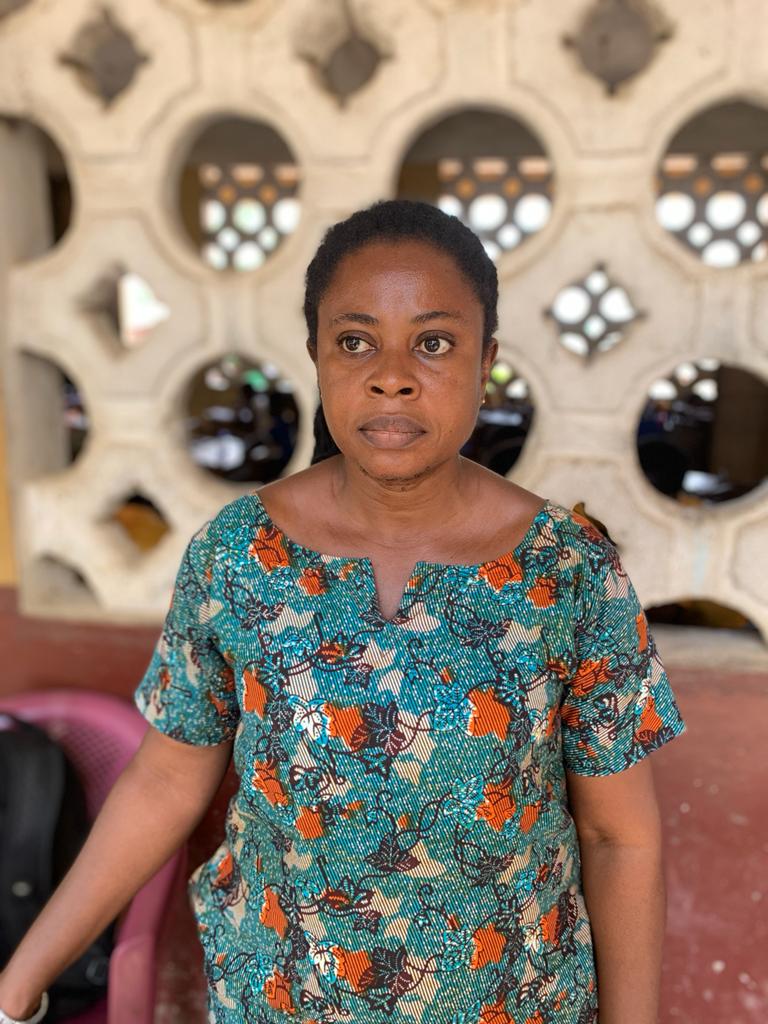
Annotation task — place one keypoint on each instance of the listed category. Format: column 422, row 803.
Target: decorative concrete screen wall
column 127, row 91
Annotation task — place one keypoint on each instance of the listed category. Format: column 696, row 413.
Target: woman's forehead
column 410, row 267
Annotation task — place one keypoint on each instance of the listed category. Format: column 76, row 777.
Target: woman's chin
column 396, row 465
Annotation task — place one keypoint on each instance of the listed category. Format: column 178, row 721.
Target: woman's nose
column 392, row 375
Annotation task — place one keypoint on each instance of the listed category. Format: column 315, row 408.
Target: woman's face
column 399, row 357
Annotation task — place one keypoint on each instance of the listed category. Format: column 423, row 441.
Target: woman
column 441, row 690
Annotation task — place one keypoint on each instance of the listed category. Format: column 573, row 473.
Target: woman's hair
column 392, row 220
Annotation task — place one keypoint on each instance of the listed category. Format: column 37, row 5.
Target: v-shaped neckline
column 364, row 563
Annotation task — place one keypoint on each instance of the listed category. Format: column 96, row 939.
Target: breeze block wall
column 187, row 64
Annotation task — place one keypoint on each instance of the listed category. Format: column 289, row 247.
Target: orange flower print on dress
column 309, row 823
column 224, row 872
column 277, row 989
column 344, row 722
column 267, row 546
column 501, row 571
column 549, row 926
column 489, row 947
column 543, row 593
column 272, row 914
column 256, row 694
column 650, row 720
column 642, row 630
column 312, row 581
column 332, row 651
column 529, row 817
column 489, row 714
column 495, row 1014
column 353, row 966
column 498, row 806
column 588, row 675
column 265, row 780
column 570, row 716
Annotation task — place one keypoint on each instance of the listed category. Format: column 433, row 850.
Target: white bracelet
column 34, row 1019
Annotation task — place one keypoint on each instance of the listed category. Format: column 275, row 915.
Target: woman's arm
column 619, row 827
column 152, row 808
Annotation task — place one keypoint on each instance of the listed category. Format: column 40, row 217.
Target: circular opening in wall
column 239, row 194
column 76, row 422
column 700, row 612
column 53, row 421
column 703, row 434
column 242, row 420
column 34, row 172
column 486, row 168
column 503, row 422
column 712, row 185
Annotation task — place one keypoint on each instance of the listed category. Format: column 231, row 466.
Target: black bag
column 43, row 824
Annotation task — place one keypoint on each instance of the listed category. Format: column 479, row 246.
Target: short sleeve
column 618, row 705
column 188, row 689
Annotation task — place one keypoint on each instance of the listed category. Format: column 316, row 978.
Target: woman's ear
column 488, row 359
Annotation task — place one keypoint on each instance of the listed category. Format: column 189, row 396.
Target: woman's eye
column 355, row 340
column 432, row 344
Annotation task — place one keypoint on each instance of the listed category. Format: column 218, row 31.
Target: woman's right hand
column 17, row 1003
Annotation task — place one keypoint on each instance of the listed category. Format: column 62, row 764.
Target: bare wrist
column 17, row 1003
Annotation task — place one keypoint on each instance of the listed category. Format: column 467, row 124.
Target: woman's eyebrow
column 437, row 314
column 421, row 318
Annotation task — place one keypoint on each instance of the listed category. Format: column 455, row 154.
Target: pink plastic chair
column 100, row 734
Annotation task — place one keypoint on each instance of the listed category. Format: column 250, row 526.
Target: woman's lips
column 391, row 438
column 391, row 430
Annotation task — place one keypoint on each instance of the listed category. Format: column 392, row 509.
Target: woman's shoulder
column 259, row 514
column 575, row 525
column 570, row 525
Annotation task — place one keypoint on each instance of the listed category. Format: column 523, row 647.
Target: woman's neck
column 391, row 508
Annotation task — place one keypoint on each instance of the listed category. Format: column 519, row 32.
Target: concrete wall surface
column 192, row 63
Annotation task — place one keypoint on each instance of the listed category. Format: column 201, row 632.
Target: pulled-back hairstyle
column 392, row 220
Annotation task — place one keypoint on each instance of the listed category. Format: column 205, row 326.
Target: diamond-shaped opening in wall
column 241, row 419
column 488, row 169
column 712, row 185
column 701, row 612
column 618, row 39
column 703, row 432
column 52, row 420
column 104, row 56
column 238, row 194
column 141, row 521
column 342, row 47
column 592, row 313
column 503, row 421
column 54, row 583
column 125, row 306
column 35, row 185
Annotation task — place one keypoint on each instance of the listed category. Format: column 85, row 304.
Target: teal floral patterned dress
column 400, row 848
